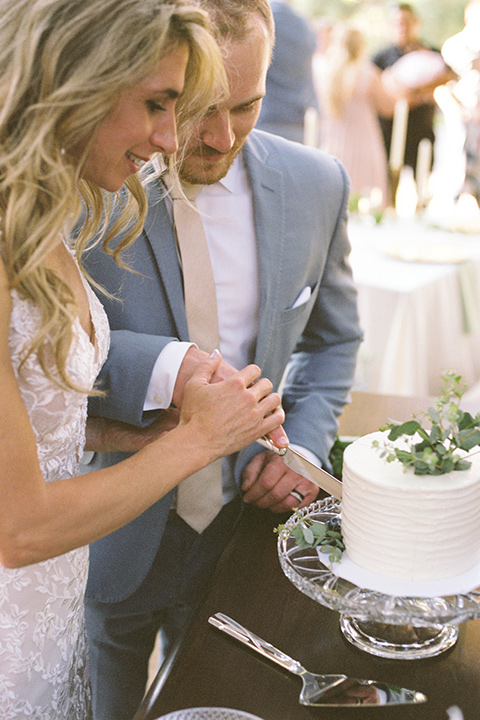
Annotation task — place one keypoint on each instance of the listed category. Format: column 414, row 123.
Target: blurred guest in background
column 289, row 91
column 421, row 72
column 351, row 95
column 323, row 28
column 462, row 53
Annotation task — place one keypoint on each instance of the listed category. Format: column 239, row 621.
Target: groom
column 274, row 214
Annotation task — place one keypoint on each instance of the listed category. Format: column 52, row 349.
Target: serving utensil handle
column 237, row 631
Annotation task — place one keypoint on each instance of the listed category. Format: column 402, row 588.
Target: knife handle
column 267, row 443
column 237, row 631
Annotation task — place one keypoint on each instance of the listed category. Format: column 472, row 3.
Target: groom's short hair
column 231, row 19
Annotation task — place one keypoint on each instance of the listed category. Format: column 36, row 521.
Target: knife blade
column 299, row 464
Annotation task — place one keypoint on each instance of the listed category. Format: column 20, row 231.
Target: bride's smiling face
column 141, row 123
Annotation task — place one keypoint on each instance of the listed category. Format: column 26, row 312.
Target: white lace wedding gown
column 42, row 640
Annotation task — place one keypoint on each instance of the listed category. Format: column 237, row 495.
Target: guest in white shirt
column 274, row 216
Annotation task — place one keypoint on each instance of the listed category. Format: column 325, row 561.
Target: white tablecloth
column 419, row 319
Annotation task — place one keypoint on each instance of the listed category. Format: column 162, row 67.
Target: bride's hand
column 232, row 413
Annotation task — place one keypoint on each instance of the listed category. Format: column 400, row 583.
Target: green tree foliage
column 440, row 18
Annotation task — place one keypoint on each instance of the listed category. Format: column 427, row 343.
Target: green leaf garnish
column 451, row 430
column 407, row 428
column 310, row 533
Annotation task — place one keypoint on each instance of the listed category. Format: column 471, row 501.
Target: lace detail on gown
column 42, row 638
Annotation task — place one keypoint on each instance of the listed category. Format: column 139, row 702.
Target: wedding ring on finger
column 297, row 495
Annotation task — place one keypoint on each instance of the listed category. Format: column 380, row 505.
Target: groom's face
column 219, row 138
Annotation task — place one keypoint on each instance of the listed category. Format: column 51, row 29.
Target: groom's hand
column 193, row 357
column 268, row 482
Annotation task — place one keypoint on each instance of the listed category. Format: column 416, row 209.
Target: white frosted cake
column 407, row 526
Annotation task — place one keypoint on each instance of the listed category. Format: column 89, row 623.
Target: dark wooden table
column 212, row 669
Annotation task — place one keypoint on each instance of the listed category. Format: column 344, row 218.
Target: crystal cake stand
column 383, row 625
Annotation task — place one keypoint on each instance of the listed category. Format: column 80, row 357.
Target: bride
column 88, row 91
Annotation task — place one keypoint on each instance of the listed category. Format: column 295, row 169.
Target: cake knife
column 299, row 464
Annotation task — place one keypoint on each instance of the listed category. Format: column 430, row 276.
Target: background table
column 210, row 669
column 419, row 318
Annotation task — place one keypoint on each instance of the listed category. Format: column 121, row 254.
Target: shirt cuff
column 164, row 376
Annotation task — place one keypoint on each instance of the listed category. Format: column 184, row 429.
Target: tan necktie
column 199, row 497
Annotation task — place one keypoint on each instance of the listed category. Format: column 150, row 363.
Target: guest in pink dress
column 351, row 94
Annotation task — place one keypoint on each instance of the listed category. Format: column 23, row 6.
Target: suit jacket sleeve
column 144, row 315
column 126, row 375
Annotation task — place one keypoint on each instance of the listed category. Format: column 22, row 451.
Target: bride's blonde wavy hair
column 63, row 66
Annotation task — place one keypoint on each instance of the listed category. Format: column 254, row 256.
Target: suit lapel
column 160, row 237
column 269, row 218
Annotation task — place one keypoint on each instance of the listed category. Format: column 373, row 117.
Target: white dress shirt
column 227, row 214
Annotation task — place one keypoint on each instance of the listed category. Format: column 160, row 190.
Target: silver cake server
column 321, row 690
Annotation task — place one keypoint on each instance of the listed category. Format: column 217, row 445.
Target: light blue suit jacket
column 300, row 205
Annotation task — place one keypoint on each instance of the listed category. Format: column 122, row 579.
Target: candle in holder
column 399, row 135
column 422, row 171
column 311, row 127
column 406, row 199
